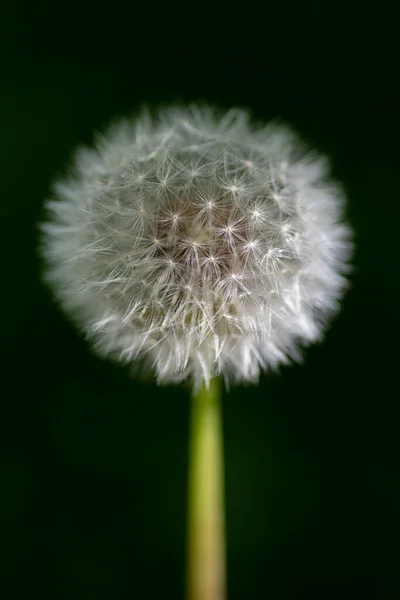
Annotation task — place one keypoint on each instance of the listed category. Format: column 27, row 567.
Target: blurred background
column 93, row 464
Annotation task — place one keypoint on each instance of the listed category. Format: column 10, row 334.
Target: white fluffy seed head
column 198, row 243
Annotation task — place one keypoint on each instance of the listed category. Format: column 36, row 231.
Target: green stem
column 206, row 526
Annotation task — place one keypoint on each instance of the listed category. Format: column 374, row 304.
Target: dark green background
column 93, row 469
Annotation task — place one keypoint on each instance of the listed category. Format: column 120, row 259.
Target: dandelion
column 199, row 246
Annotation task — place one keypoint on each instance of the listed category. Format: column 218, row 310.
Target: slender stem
column 206, row 526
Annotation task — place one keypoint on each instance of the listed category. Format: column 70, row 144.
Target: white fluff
column 199, row 243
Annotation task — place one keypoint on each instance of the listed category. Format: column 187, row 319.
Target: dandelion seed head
column 198, row 245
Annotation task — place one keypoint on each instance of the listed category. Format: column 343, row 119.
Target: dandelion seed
column 198, row 244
